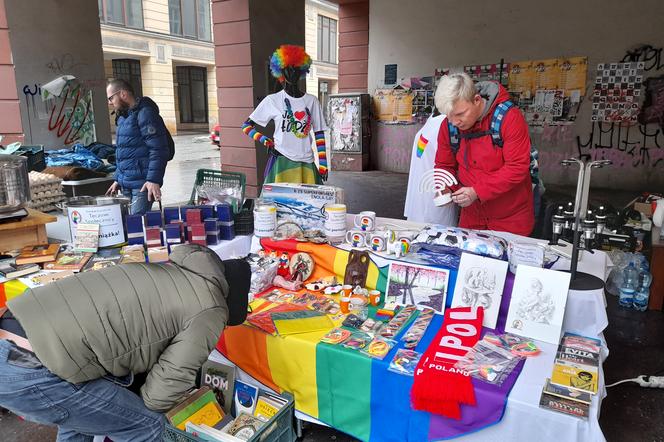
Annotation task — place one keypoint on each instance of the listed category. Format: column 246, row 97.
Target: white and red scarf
column 438, row 387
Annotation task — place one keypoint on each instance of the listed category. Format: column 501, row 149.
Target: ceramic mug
column 379, row 240
column 335, row 220
column 374, row 297
column 356, row 238
column 365, row 221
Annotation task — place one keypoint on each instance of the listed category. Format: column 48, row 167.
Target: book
column 132, row 253
column 11, row 270
column 245, row 397
column 69, row 261
column 244, row 426
column 208, row 433
column 566, row 406
column 581, row 342
column 87, row 238
column 179, row 414
column 577, row 356
column 266, row 408
column 38, row 254
column 44, row 277
column 209, row 414
column 102, row 259
column 567, row 393
column 220, row 378
column 577, row 376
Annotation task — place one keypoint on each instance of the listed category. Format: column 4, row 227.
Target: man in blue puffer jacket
column 142, row 147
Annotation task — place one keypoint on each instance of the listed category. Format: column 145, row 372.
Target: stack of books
column 575, row 376
column 252, row 407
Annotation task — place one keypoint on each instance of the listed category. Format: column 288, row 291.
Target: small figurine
column 284, row 270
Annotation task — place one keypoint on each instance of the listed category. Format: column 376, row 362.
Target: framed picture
column 480, row 283
column 537, row 307
column 417, row 285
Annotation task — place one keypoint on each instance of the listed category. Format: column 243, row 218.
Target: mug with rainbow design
column 379, row 240
column 356, row 238
column 366, row 221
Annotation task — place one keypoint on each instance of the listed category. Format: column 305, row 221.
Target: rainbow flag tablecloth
column 346, row 389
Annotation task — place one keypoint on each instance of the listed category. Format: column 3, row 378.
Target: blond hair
column 452, row 88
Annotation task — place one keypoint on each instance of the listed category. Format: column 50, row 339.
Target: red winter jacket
column 500, row 176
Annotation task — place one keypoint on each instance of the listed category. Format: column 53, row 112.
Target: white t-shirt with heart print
column 304, row 109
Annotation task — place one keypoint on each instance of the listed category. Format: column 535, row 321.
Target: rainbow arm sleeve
column 248, row 127
column 322, row 155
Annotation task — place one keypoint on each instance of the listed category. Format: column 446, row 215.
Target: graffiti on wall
column 651, row 57
column 69, row 115
column 626, row 145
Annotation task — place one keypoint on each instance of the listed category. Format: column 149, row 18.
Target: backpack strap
column 455, row 140
column 497, row 121
column 494, row 129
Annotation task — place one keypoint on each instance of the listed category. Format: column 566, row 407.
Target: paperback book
column 580, row 377
column 87, row 238
column 69, row 261
column 566, row 406
column 244, row 426
column 200, row 407
column 10, row 270
column 245, row 398
column 220, row 378
column 567, row 393
column 38, row 254
column 102, row 259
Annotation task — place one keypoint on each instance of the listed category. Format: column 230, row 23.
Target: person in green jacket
column 68, row 349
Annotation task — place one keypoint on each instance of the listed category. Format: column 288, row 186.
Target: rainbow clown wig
column 289, row 55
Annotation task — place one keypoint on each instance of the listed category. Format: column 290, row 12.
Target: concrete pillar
column 10, row 123
column 246, row 32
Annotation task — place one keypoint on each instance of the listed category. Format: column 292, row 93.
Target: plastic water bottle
column 630, row 281
column 643, row 292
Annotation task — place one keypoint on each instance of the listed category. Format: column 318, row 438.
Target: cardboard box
column 645, row 208
column 302, row 204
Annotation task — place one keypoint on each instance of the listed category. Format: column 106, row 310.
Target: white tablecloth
column 239, row 246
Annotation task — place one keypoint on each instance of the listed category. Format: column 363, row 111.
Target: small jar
column 265, row 218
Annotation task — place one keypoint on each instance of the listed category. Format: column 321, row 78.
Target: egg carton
column 38, row 178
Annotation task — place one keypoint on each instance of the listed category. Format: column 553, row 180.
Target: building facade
column 321, row 43
column 165, row 49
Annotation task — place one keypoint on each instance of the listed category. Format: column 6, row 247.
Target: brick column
column 10, row 123
column 246, row 33
column 353, row 46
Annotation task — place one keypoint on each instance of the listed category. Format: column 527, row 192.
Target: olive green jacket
column 163, row 319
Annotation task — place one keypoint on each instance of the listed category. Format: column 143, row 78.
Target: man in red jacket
column 495, row 190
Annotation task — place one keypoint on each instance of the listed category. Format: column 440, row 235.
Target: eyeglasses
column 113, row 95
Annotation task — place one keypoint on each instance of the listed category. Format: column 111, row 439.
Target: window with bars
column 327, row 39
column 127, row 13
column 129, row 70
column 190, row 18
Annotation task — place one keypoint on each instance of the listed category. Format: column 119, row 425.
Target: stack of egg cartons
column 45, row 191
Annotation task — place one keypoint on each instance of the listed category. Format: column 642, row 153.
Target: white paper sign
column 480, row 283
column 537, row 307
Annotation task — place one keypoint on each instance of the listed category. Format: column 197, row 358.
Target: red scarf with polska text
column 438, row 387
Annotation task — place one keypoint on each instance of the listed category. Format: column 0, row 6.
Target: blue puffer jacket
column 142, row 146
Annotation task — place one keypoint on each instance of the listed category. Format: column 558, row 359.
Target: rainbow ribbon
column 421, row 145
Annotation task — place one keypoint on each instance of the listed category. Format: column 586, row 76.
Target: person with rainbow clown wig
column 298, row 118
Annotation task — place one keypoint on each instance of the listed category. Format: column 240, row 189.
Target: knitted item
column 438, row 387
column 249, row 129
column 322, row 155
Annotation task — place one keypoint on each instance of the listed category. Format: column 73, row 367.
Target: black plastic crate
column 278, row 429
column 244, row 219
column 35, row 156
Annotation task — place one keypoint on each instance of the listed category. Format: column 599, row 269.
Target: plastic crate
column 243, row 221
column 278, row 429
column 35, row 156
column 234, row 180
